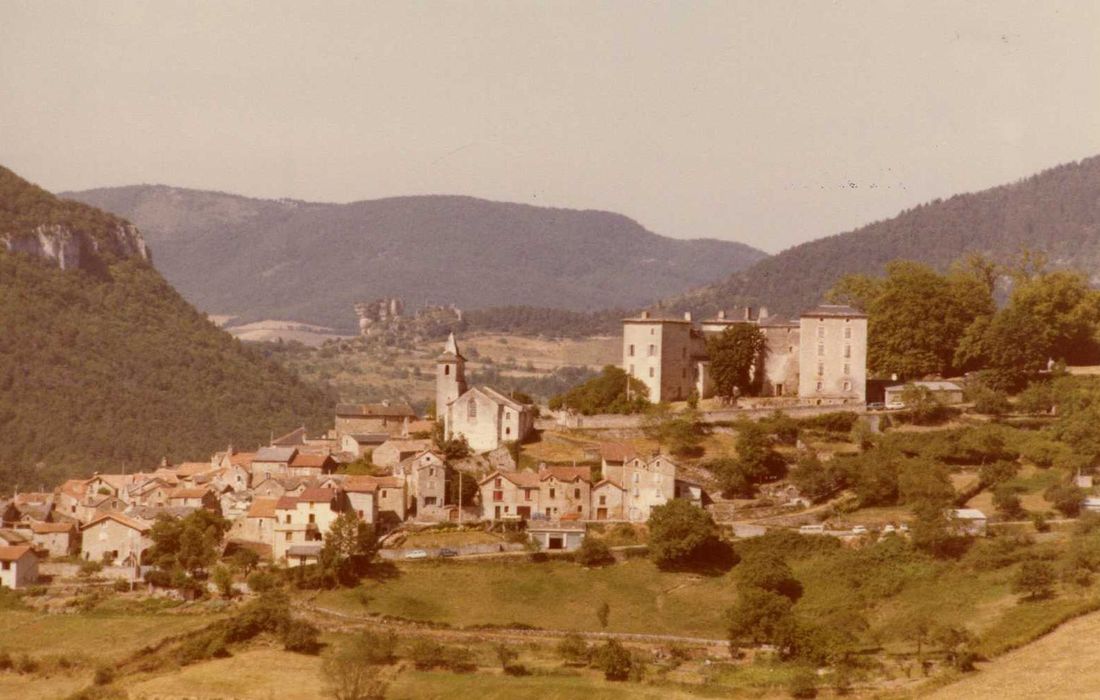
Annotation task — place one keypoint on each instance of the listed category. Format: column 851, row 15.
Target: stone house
column 69, row 496
column 833, row 355
column 390, row 496
column 258, row 524
column 509, row 495
column 18, row 566
column 390, row 453
column 308, row 464
column 645, row 483
column 153, row 491
column 117, row 537
column 359, row 444
column 426, row 475
column 607, row 501
column 272, row 461
column 565, row 493
column 305, row 518
column 362, row 496
column 194, row 497
column 56, row 539
column 357, row 419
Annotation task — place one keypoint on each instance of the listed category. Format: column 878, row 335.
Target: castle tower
column 450, row 376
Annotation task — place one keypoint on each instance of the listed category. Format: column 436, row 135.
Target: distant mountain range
column 1056, row 211
column 307, row 262
column 104, row 366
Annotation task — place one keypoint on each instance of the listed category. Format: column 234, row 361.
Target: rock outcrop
column 71, row 249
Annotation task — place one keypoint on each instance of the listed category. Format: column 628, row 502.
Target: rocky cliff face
column 71, row 249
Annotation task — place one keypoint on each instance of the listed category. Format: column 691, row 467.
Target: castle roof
column 834, row 311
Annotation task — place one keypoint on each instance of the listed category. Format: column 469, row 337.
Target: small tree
column 603, row 614
column 758, row 616
column 594, row 552
column 245, row 560
column 350, row 545
column 1007, row 502
column 351, row 677
column 614, row 660
column 223, row 579
column 1035, row 578
column 682, row 535
column 1066, row 498
column 765, row 569
column 573, row 649
column 505, row 655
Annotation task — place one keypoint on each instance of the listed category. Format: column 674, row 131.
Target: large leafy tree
column 733, row 354
column 189, row 545
column 350, row 545
column 613, row 391
column 916, row 316
column 682, row 535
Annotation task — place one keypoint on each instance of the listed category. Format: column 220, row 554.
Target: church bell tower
column 450, row 376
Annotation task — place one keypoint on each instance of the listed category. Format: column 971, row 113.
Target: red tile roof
column 134, row 523
column 286, row 503
column 263, row 508
column 13, row 553
column 314, row 494
column 311, row 461
column 616, row 451
column 566, row 473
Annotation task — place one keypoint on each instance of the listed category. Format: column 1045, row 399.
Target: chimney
column 748, row 313
column 763, row 313
column 722, row 315
column 687, row 316
column 645, row 314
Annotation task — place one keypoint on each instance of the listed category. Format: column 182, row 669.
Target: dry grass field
column 1059, row 665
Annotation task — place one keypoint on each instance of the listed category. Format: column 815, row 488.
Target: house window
column 287, row 521
column 312, row 519
column 636, row 477
column 507, row 509
column 431, row 471
column 289, row 536
column 636, row 492
column 650, row 371
column 508, row 431
column 630, row 353
column 847, row 386
column 576, row 493
column 7, row 565
column 446, row 369
column 603, row 500
column 847, row 351
column 527, row 494
column 498, row 483
column 552, row 493
column 847, row 332
column 383, row 493
column 579, row 509
column 471, row 410
column 498, row 495
column 548, row 512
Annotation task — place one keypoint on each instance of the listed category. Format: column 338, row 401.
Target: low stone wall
column 463, row 550
column 611, row 421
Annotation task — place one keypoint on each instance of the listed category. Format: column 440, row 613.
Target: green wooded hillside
column 1056, row 211
column 109, row 368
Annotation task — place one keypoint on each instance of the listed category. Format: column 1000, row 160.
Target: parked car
column 448, row 552
column 888, row 529
column 895, row 405
column 859, row 530
column 876, row 406
column 416, row 554
column 812, row 529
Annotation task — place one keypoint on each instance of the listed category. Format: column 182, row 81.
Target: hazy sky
column 768, row 122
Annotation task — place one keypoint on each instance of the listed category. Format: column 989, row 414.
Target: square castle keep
column 820, row 358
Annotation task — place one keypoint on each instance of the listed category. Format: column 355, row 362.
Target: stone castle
column 820, row 358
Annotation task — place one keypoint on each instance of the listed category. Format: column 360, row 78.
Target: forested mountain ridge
column 300, row 261
column 1056, row 211
column 105, row 366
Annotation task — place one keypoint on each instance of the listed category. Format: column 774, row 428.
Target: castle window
column 820, row 368
column 820, row 330
column 471, row 410
column 820, row 349
column 847, row 369
column 652, row 350
column 820, row 385
column 847, row 351
column 650, row 371
column 847, row 332
column 507, row 431
column 446, row 369
column 631, row 351
column 631, row 370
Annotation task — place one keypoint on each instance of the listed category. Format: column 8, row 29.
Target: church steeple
column 450, row 376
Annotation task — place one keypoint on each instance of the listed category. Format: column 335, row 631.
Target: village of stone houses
column 776, row 524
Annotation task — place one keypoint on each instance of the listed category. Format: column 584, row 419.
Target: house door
column 601, row 514
column 524, row 512
column 496, row 513
column 555, row 542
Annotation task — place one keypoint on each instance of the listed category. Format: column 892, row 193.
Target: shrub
column 683, row 535
column 594, row 552
column 835, row 422
column 573, row 649
column 1066, row 498
column 6, row 662
column 426, row 654
column 459, row 660
column 90, row 568
column 767, row 570
column 26, row 664
column 121, row 586
column 262, row 582
column 1035, row 578
column 301, row 637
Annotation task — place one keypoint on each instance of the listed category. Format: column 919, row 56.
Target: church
column 484, row 416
